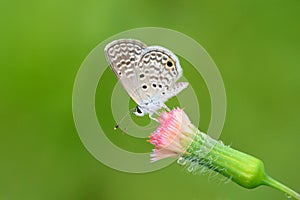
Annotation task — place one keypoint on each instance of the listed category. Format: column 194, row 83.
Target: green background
column 255, row 44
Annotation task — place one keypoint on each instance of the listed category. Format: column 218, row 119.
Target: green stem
column 279, row 186
column 242, row 168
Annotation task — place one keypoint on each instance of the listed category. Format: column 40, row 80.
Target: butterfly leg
column 166, row 107
column 151, row 117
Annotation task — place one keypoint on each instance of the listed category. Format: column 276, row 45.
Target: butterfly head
column 139, row 111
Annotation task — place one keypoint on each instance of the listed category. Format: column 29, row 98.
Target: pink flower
column 173, row 135
column 176, row 136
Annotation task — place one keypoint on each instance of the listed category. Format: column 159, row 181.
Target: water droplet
column 190, row 168
column 181, row 161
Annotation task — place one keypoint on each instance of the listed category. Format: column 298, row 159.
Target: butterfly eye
column 138, row 110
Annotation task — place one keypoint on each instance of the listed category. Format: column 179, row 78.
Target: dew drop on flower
column 181, row 161
column 190, row 168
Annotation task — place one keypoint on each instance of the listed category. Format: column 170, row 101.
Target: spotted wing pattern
column 158, row 69
column 148, row 74
column 122, row 56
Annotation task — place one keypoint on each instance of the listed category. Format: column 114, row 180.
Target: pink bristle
column 167, row 137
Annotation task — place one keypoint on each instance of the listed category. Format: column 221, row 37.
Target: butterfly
column 147, row 73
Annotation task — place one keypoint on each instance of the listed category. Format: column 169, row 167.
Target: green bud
column 241, row 168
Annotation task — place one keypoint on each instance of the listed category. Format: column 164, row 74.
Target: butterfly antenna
column 126, row 124
column 119, row 123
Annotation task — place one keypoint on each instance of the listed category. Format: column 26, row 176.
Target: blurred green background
column 255, row 44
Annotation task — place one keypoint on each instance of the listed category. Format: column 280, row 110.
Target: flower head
column 173, row 135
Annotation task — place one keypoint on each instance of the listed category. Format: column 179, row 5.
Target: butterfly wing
column 158, row 70
column 175, row 89
column 122, row 56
